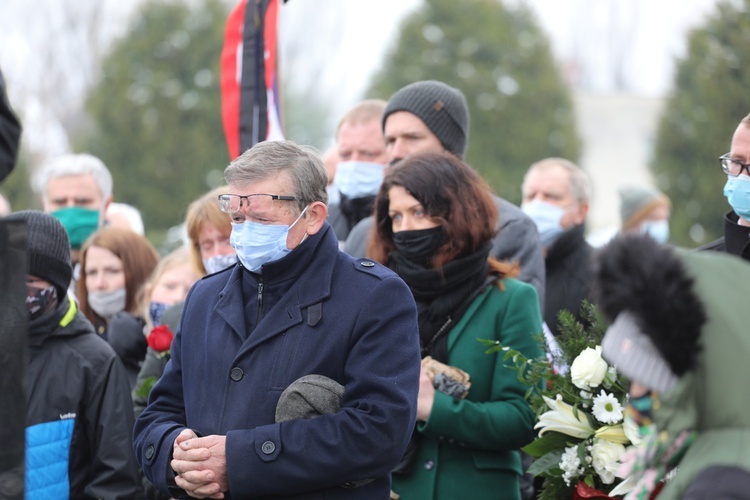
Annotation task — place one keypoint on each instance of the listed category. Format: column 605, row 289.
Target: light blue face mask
column 547, row 218
column 258, row 244
column 657, row 229
column 219, row 262
column 355, row 179
column 737, row 191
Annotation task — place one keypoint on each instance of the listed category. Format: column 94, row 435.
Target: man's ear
column 583, row 210
column 316, row 215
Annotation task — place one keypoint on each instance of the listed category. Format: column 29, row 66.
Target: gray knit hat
column 635, row 356
column 48, row 248
column 441, row 107
column 635, row 201
column 308, row 397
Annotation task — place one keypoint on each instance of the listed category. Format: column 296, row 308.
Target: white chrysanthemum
column 607, row 409
column 570, row 464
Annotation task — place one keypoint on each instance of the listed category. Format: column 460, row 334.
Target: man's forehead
column 553, row 179
column 358, row 133
column 280, row 184
column 403, row 120
column 79, row 185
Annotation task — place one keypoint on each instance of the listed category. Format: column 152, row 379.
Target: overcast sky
column 594, row 40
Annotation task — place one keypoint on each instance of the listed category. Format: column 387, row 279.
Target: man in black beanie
column 432, row 117
column 78, row 394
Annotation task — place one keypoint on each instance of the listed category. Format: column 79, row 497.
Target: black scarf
column 442, row 295
column 356, row 209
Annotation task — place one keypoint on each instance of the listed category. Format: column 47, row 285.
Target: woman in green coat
column 435, row 219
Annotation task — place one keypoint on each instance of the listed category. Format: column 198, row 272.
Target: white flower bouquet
column 582, row 433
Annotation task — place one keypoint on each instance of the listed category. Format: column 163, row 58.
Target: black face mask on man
column 419, row 245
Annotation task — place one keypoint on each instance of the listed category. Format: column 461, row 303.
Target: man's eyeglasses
column 260, row 202
column 733, row 167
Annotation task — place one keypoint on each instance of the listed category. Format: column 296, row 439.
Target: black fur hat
column 634, row 273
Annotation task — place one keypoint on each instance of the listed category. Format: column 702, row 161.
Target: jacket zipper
column 260, row 300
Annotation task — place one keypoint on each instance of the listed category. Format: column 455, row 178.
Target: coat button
column 268, row 447
column 429, row 465
column 237, row 374
column 149, row 452
column 367, row 263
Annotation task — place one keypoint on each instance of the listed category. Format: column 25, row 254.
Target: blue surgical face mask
column 657, row 229
column 257, row 244
column 737, row 191
column 356, row 179
column 219, row 262
column 547, row 218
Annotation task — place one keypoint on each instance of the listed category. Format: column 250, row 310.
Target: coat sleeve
column 150, row 372
column 109, row 423
column 504, row 421
column 368, row 435
column 162, row 420
column 517, row 240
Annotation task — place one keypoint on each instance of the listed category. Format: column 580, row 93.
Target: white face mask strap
column 304, row 237
column 299, row 216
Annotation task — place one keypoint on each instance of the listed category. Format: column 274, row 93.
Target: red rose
column 585, row 491
column 160, row 338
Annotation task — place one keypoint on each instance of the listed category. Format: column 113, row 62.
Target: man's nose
column 397, row 151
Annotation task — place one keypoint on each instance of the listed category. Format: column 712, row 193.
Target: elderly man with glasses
column 734, row 164
column 293, row 306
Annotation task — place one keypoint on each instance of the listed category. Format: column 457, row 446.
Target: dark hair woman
column 435, row 219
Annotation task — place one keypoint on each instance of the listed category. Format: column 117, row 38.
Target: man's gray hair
column 580, row 186
column 76, row 164
column 269, row 159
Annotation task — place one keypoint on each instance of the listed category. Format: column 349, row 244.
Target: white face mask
column 355, row 179
column 219, row 262
column 547, row 218
column 107, row 304
column 657, row 229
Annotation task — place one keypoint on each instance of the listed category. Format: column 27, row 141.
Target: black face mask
column 40, row 301
column 419, row 245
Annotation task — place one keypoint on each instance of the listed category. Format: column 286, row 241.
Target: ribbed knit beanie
column 634, row 354
column 636, row 200
column 48, row 248
column 441, row 107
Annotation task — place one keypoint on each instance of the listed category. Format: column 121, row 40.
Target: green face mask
column 79, row 222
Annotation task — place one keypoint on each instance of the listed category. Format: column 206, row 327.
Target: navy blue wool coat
column 316, row 311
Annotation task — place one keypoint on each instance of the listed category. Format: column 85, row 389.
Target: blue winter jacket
column 316, row 311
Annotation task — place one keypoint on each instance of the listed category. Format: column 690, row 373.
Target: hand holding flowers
column 582, row 433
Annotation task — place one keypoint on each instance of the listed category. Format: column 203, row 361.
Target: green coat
column 713, row 399
column 467, row 447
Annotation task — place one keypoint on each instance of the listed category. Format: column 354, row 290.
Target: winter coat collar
column 65, row 320
column 308, row 269
column 736, row 237
column 567, row 243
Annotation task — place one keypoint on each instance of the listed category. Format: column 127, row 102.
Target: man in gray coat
column 431, row 117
